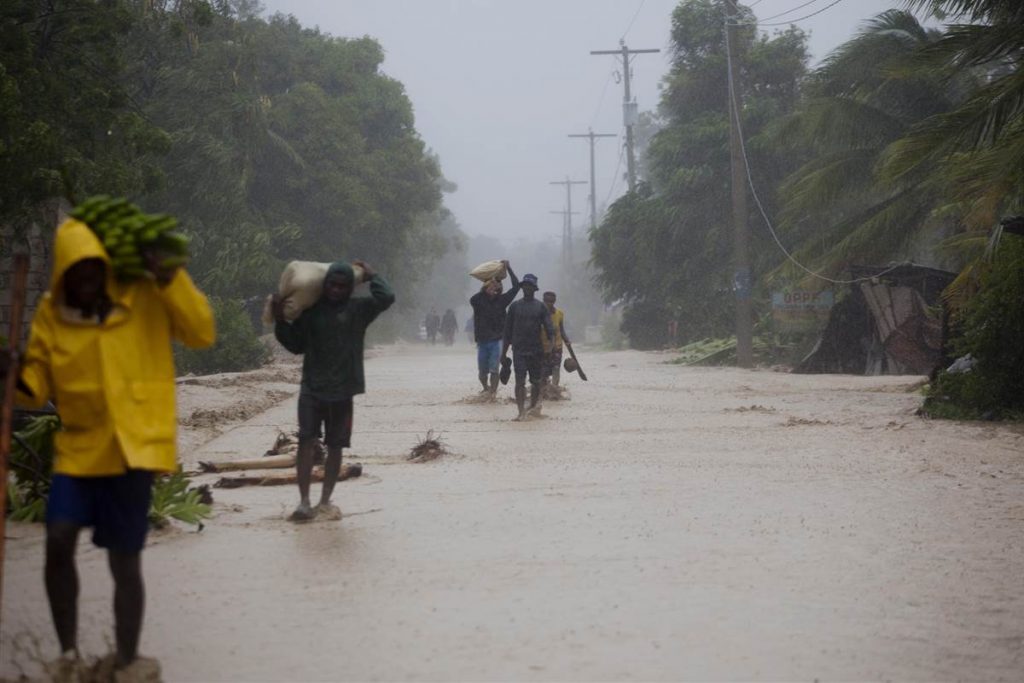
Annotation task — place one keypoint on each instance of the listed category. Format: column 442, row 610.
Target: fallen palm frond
column 430, row 448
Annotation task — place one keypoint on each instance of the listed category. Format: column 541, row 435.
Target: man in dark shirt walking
column 525, row 321
column 489, row 306
column 330, row 335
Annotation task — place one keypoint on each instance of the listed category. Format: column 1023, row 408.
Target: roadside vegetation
column 905, row 144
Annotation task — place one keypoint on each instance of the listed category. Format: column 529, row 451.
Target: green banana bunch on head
column 128, row 235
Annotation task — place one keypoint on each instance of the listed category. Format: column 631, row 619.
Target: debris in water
column 430, row 448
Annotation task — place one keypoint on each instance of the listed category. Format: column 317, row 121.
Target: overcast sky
column 498, row 84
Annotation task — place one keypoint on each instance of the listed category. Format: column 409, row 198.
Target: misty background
column 496, row 88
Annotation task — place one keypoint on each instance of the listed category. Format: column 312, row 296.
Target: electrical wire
column 600, row 102
column 792, row 21
column 616, row 177
column 635, row 15
column 789, row 11
column 753, row 190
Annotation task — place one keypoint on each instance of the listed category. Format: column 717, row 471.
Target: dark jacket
column 331, row 338
column 489, row 314
column 524, row 323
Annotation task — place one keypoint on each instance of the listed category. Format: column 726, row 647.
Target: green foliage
column 865, row 97
column 173, row 499
column 31, row 460
column 68, row 124
column 28, row 489
column 993, row 334
column 31, row 463
column 268, row 141
column 665, row 250
column 238, row 347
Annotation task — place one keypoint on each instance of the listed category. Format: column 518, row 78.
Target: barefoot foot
column 303, row 513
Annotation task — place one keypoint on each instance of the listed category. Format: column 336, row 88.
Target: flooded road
column 666, row 523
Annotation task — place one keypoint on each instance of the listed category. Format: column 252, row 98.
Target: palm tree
column 861, row 101
column 979, row 144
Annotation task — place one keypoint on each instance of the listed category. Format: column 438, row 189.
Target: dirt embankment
column 211, row 404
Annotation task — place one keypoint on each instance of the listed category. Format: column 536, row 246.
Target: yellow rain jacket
column 112, row 382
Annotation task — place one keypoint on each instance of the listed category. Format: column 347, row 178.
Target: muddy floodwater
column 666, row 523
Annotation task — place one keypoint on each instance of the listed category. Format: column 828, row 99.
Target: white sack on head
column 490, row 270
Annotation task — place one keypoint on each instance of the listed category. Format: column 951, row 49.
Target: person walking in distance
column 553, row 347
column 527, row 319
column 432, row 323
column 100, row 348
column 330, row 336
column 449, row 326
column 489, row 307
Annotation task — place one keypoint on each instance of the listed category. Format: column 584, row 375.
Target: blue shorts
column 117, row 508
column 487, row 356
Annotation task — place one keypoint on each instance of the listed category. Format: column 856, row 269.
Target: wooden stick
column 283, row 479
column 269, row 462
column 18, row 288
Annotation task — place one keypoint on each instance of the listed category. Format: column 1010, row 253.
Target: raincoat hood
column 74, row 242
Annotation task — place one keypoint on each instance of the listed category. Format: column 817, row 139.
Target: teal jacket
column 331, row 339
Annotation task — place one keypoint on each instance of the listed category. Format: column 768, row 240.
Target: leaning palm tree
column 859, row 102
column 979, row 144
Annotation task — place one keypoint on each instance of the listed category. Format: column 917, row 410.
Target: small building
column 890, row 322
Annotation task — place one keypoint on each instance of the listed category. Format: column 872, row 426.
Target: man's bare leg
column 482, row 376
column 129, row 603
column 332, row 468
column 534, row 395
column 494, row 383
column 304, row 473
column 521, row 400
column 62, row 581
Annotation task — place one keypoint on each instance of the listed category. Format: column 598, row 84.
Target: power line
column 792, row 21
column 616, row 177
column 790, row 11
column 600, row 102
column 757, row 200
column 635, row 15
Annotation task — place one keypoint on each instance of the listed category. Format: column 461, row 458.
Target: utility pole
column 566, row 228
column 593, row 182
column 741, row 251
column 567, row 233
column 629, row 109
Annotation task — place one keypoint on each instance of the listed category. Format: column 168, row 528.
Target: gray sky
column 497, row 85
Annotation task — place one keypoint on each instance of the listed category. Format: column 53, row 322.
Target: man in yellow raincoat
column 100, row 349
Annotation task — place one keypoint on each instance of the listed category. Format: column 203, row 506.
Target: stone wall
column 38, row 243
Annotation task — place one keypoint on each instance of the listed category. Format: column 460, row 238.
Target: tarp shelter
column 889, row 323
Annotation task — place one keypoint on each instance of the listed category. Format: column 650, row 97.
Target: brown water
column 664, row 524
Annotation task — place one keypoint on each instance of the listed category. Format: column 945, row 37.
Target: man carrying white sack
column 489, row 306
column 330, row 335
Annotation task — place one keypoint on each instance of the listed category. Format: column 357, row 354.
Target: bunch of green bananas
column 127, row 233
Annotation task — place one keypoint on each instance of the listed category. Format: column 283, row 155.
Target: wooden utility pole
column 567, row 261
column 566, row 221
column 741, row 252
column 629, row 109
column 591, row 135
